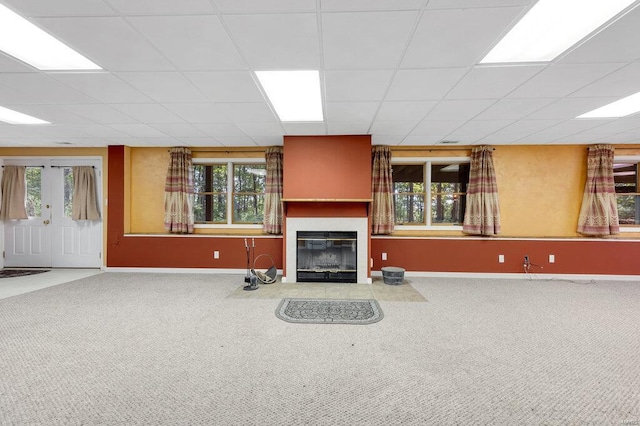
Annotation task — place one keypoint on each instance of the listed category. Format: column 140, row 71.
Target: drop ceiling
column 180, row 73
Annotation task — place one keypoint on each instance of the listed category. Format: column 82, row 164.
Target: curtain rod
column 226, row 151
column 93, row 167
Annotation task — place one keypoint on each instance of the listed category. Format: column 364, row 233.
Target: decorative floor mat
column 10, row 273
column 326, row 311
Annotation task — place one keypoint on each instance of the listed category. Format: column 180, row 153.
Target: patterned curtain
column 14, row 190
column 85, row 200
column 482, row 215
column 273, row 192
column 383, row 214
column 599, row 211
column 178, row 192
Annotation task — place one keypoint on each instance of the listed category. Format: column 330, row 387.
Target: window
column 625, row 176
column 443, row 183
column 33, row 176
column 229, row 193
column 68, row 191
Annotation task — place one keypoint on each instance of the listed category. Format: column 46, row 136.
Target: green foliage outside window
column 33, row 177
column 210, row 188
column 248, row 192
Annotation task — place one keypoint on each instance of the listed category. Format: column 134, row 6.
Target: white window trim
column 427, row 162
column 634, row 159
column 230, row 162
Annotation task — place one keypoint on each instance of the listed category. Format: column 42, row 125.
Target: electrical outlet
column 216, row 254
column 384, row 256
column 526, row 259
column 552, row 258
column 501, row 258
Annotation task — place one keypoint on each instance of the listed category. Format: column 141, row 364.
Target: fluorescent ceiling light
column 14, row 117
column 28, row 43
column 551, row 27
column 620, row 108
column 295, row 95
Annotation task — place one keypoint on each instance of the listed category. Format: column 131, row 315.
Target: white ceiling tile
column 561, row 80
column 221, row 129
column 97, row 130
column 10, row 64
column 424, row 84
column 257, row 6
column 354, row 86
column 369, row 5
column 42, row 8
column 568, row 108
column 190, row 42
column 423, row 140
column 492, row 82
column 366, row 39
column 348, row 127
column 178, row 130
column 149, row 113
column 513, row 108
column 162, row 7
column 248, row 112
column 622, row 82
column 621, row 138
column 45, row 88
column 235, row 141
column 261, row 129
column 10, row 96
column 351, row 111
column 288, row 41
column 525, row 127
column 616, row 43
column 198, row 112
column 268, row 140
column 476, row 129
column 436, row 129
column 109, row 42
column 208, row 142
column 102, row 86
column 616, row 125
column 304, row 128
column 396, row 127
column 379, row 139
column 138, row 130
column 100, row 113
column 458, row 109
column 456, row 37
column 398, row 111
column 164, row 86
column 468, row 4
column 226, row 86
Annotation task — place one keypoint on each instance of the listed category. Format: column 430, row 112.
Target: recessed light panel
column 295, row 95
column 551, row 27
column 620, row 108
column 28, row 43
column 14, row 117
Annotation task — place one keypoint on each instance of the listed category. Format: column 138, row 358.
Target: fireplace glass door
column 327, row 256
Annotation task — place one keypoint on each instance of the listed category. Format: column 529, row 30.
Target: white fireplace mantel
column 360, row 225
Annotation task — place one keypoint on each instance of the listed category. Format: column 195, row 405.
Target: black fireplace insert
column 327, row 256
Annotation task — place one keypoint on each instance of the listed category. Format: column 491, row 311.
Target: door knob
column 47, row 206
column 46, row 222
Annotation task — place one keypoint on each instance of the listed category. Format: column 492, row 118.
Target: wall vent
column 447, row 142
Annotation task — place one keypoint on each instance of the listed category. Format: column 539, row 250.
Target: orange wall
column 327, row 167
column 148, row 173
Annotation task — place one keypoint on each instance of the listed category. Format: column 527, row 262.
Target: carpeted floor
column 175, row 349
column 10, row 273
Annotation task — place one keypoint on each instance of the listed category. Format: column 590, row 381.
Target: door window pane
column 68, row 191
column 34, row 191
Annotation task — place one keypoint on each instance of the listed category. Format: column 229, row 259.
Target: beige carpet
column 177, row 350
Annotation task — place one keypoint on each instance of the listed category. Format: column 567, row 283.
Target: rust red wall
column 606, row 257
column 171, row 251
column 327, row 167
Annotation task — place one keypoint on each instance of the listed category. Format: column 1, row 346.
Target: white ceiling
column 180, row 72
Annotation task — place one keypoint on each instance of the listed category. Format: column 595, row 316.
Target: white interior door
column 49, row 237
column 75, row 243
column 28, row 241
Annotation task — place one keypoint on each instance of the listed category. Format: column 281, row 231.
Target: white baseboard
column 521, row 276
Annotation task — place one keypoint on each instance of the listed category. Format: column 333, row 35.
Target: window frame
column 230, row 163
column 630, row 159
column 426, row 163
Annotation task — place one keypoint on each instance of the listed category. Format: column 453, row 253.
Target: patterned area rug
column 10, row 273
column 327, row 311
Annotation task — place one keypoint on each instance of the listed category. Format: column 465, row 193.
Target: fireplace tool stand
column 250, row 278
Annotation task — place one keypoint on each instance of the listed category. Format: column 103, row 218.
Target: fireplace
column 312, row 252
column 327, row 257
